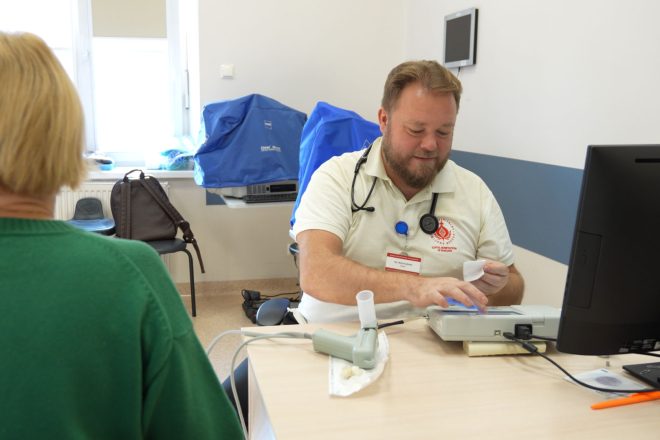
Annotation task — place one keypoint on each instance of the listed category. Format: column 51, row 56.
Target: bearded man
column 401, row 218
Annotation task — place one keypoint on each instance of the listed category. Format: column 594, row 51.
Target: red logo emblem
column 444, row 236
column 445, row 232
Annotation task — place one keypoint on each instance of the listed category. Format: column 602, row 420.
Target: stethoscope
column 428, row 223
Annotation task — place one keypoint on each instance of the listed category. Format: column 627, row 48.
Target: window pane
column 132, row 103
column 52, row 20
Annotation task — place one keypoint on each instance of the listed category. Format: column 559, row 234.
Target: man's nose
column 429, row 143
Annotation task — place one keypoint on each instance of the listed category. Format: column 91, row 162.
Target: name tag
column 403, row 263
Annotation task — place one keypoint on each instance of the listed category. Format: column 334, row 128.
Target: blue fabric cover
column 330, row 131
column 248, row 140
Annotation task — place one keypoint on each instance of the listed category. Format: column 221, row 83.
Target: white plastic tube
column 366, row 309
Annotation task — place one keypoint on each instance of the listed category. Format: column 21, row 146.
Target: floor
column 219, row 309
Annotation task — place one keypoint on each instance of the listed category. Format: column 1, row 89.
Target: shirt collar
column 444, row 181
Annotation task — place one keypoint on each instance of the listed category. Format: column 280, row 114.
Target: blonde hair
column 431, row 75
column 41, row 119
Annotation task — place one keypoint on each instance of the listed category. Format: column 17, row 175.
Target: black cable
column 280, row 294
column 543, row 338
column 646, row 353
column 389, row 324
column 534, row 350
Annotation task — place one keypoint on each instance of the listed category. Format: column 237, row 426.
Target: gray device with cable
column 457, row 324
column 360, row 349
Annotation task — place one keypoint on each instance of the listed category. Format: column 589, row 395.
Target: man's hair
column 429, row 74
column 41, row 119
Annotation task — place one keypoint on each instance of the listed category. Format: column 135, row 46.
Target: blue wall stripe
column 539, row 201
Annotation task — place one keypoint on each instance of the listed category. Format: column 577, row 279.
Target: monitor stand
column 649, row 373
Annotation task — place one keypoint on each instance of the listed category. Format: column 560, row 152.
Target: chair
column 329, row 131
column 164, row 247
column 143, row 211
column 88, row 215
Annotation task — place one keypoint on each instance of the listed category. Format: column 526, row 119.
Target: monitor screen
column 612, row 298
column 461, row 38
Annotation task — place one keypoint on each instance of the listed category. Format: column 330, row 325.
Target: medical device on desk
column 359, row 349
column 466, row 324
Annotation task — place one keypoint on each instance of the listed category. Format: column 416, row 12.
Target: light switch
column 226, row 71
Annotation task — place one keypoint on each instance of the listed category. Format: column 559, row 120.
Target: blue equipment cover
column 249, row 140
column 330, row 131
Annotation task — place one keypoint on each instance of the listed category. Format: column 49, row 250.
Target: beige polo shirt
column 471, row 224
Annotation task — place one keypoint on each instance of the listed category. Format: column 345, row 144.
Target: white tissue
column 473, row 270
column 346, row 379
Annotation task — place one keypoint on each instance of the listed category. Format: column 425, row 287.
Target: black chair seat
column 177, row 245
column 168, row 246
column 88, row 216
column 105, row 226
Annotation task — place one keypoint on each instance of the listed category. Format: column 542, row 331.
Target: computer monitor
column 461, row 38
column 612, row 298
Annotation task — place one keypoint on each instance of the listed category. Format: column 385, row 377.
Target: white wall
column 236, row 244
column 298, row 52
column 551, row 78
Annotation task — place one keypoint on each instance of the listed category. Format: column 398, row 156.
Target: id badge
column 399, row 262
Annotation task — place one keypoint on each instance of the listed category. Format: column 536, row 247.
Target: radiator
column 65, row 202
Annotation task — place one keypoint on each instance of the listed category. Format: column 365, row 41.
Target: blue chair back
column 330, row 131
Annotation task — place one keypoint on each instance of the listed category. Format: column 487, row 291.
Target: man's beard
column 397, row 164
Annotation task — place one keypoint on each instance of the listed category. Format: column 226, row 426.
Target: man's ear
column 382, row 119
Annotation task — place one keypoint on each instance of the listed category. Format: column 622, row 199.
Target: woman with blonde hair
column 95, row 340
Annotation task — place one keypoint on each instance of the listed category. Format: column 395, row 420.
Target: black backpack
column 142, row 211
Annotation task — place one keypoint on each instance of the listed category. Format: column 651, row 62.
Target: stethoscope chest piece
column 429, row 223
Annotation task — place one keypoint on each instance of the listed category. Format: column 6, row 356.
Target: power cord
column 534, row 350
column 400, row 321
column 543, row 338
column 256, row 336
column 297, row 293
column 647, row 353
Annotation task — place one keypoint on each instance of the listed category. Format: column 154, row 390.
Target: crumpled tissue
column 346, row 379
column 473, row 270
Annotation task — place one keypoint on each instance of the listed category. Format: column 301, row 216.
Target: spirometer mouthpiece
column 366, row 309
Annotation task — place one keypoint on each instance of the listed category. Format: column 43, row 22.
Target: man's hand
column 496, row 276
column 428, row 291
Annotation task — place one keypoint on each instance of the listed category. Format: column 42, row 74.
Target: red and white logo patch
column 444, row 236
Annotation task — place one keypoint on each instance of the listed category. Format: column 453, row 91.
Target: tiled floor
column 219, row 309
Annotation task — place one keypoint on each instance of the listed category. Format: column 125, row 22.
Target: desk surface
column 431, row 389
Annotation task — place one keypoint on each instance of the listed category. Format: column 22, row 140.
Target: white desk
column 431, row 389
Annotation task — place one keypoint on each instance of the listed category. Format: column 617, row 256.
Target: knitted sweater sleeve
column 182, row 396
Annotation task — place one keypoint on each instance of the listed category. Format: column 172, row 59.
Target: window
column 127, row 67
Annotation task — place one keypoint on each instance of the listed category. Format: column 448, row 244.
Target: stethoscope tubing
column 428, row 223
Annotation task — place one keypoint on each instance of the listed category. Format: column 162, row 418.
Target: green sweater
column 96, row 344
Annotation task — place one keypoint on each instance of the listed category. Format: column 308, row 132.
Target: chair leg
column 192, row 282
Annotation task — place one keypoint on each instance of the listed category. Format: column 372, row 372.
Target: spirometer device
column 467, row 324
column 360, row 349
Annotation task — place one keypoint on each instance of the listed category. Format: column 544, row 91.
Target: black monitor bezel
column 599, row 315
column 473, row 13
